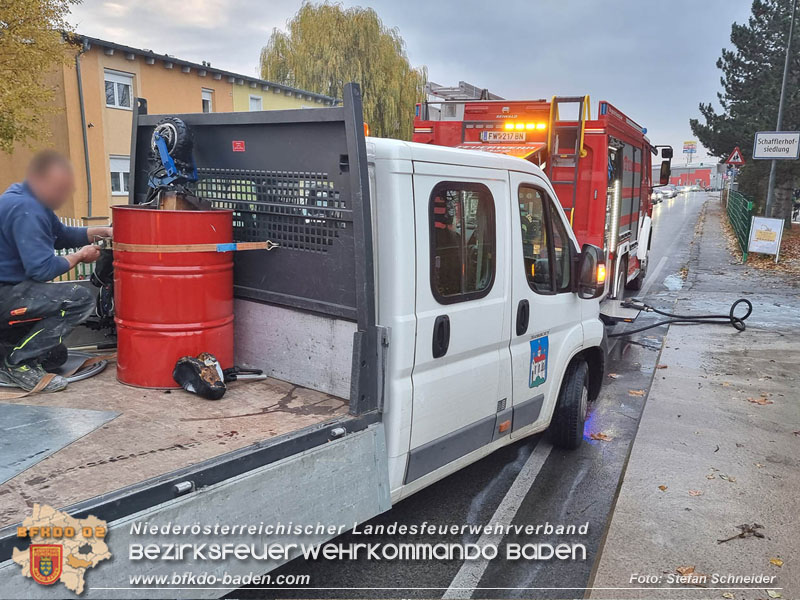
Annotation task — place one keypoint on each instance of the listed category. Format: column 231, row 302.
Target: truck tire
column 569, row 417
column 622, row 275
column 637, row 282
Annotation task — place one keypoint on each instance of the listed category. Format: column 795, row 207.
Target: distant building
column 95, row 95
column 704, row 174
column 438, row 96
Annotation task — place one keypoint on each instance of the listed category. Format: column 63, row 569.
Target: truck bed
column 156, row 432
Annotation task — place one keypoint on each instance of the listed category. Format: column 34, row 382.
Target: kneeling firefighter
column 35, row 316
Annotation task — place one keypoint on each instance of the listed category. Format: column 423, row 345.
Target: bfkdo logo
column 62, row 547
column 46, row 562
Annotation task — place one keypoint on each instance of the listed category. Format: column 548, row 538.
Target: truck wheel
column 622, row 275
column 636, row 282
column 566, row 427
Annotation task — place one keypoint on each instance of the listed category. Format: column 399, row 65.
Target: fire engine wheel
column 566, row 428
column 622, row 272
column 636, row 283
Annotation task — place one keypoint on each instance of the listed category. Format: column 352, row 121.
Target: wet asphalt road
column 571, row 486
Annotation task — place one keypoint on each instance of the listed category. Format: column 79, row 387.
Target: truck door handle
column 523, row 316
column 441, row 336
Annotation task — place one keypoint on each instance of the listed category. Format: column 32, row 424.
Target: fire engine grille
column 298, row 210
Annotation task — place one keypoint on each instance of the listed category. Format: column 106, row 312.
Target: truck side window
column 561, row 248
column 533, row 221
column 462, row 231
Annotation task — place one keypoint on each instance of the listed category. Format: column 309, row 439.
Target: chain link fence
column 740, row 212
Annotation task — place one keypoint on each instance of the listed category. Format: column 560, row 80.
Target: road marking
column 470, row 573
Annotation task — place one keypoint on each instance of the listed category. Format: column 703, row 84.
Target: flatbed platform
column 156, row 432
column 614, row 311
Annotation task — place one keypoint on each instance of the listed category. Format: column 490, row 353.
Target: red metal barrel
column 169, row 305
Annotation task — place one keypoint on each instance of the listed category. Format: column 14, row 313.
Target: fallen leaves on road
column 759, row 465
column 745, row 531
column 774, row 594
column 760, row 401
column 613, row 375
column 710, row 476
column 600, row 436
column 663, row 488
column 728, row 595
column 636, row 392
column 695, row 493
column 662, row 366
column 796, row 432
column 776, row 561
column 727, row 477
column 696, row 579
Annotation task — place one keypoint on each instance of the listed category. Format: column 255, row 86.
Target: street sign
column 735, row 158
column 777, row 145
column 689, row 147
column 765, row 236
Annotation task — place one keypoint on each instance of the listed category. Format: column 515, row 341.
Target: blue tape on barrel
column 226, row 247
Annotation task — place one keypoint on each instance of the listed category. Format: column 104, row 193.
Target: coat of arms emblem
column 46, row 562
column 538, row 373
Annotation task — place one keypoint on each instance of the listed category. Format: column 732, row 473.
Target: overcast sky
column 653, row 59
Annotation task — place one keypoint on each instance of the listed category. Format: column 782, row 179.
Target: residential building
column 94, row 98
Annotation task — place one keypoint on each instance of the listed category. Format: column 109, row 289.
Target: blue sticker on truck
column 538, row 374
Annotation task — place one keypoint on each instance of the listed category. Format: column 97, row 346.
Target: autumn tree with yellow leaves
column 326, row 46
column 31, row 44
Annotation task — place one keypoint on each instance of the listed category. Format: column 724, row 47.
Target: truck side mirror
column 592, row 272
column 666, row 152
column 666, row 170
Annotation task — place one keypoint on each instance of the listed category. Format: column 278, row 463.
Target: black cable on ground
column 730, row 318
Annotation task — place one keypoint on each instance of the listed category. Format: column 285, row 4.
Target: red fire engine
column 600, row 168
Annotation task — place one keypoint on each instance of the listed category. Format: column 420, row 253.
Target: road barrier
column 740, row 211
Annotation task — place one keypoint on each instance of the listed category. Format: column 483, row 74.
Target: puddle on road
column 673, row 282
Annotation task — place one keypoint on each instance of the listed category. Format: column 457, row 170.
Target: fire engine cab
column 600, row 167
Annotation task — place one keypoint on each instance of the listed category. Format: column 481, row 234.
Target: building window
column 255, row 103
column 462, row 232
column 208, row 101
column 119, row 89
column 120, row 167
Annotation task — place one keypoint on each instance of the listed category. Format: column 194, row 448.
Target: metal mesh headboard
column 298, row 178
column 300, row 210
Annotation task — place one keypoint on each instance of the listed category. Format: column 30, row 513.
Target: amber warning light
column 601, row 273
column 523, row 126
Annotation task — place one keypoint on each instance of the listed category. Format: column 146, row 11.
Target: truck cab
column 476, row 272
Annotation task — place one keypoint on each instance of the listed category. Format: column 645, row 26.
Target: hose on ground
column 730, row 318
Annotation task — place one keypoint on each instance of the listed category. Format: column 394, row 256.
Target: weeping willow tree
column 31, row 46
column 326, row 46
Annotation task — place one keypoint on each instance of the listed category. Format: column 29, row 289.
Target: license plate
column 502, row 136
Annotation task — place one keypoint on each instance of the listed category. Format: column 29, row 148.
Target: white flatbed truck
column 426, row 306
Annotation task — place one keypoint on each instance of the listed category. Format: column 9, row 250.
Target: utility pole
column 773, row 167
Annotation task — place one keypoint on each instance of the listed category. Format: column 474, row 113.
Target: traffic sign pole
column 774, row 165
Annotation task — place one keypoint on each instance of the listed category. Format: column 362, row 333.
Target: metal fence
column 81, row 270
column 740, row 211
